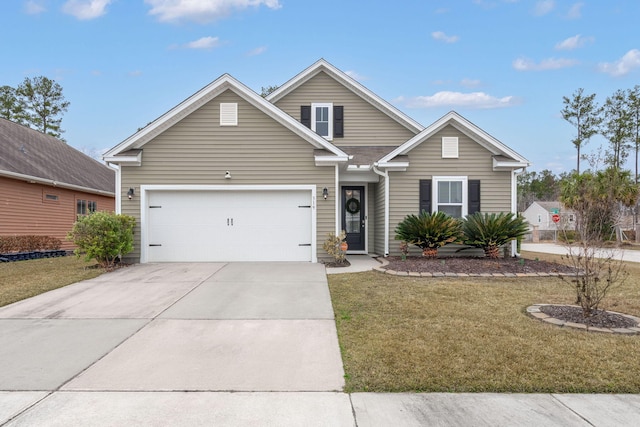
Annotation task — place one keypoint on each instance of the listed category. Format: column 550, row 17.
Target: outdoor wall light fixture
column 325, row 193
column 130, row 193
column 227, row 175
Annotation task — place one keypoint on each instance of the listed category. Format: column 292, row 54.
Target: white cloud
column 257, row 51
column 355, row 76
column 479, row 100
column 575, row 12
column 470, row 82
column 33, row 7
column 134, row 73
column 573, row 42
column 623, row 66
column 525, row 64
column 543, row 7
column 439, row 35
column 204, row 43
column 202, row 11
column 86, row 9
column 485, row 4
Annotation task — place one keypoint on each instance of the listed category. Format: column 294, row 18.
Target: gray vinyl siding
column 259, row 151
column 363, row 123
column 378, row 246
column 425, row 162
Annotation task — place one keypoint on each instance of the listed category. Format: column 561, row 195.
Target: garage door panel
column 229, row 226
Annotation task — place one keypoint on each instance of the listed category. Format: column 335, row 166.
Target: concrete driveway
column 224, row 345
column 141, row 340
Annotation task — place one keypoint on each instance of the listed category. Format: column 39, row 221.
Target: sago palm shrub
column 491, row 231
column 429, row 231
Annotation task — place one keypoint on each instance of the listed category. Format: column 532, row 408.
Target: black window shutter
column 425, row 195
column 474, row 196
column 338, row 122
column 305, row 115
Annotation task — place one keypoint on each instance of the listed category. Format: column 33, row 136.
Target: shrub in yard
column 28, row 243
column 429, row 231
column 104, row 236
column 491, row 231
column 597, row 200
column 332, row 246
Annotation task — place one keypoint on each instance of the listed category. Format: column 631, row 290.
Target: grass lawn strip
column 23, row 279
column 473, row 335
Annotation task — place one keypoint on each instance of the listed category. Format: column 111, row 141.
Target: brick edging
column 535, row 312
column 382, row 269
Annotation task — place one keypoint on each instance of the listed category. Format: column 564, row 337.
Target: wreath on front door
column 352, row 206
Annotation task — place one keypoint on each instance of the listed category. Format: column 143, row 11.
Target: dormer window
column 322, row 120
column 325, row 119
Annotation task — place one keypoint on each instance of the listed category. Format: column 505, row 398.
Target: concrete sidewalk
column 358, row 264
column 225, row 345
column 559, row 249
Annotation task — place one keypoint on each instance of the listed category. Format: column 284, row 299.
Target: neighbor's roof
column 30, row 155
column 549, row 205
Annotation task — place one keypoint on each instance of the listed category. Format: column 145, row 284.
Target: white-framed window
column 539, row 218
column 449, row 147
column 84, row 207
column 322, row 119
column 450, row 194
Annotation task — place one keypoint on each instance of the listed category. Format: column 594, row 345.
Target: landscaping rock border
column 382, row 268
column 535, row 312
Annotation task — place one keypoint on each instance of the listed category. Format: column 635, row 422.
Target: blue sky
column 503, row 64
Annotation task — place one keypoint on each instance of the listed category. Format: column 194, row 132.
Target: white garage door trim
column 145, row 189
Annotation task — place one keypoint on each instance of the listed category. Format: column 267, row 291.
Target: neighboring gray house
column 227, row 175
column 540, row 215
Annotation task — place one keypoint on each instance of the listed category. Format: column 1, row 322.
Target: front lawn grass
column 472, row 335
column 24, row 279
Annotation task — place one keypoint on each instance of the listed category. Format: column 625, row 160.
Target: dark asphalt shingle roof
column 26, row 151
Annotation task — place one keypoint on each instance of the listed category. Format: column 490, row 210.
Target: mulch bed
column 344, row 263
column 475, row 265
column 600, row 319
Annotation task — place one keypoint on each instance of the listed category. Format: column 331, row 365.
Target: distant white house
column 540, row 216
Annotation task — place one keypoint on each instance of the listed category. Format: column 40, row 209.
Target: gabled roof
column 351, row 84
column 197, row 100
column 549, row 205
column 503, row 156
column 33, row 156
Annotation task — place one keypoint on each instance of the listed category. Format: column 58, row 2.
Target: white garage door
column 185, row 226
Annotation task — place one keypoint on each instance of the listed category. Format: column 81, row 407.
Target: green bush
column 490, row 231
column 104, row 236
column 28, row 243
column 429, row 231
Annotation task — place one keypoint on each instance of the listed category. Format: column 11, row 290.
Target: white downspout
column 385, row 175
column 118, row 186
column 337, row 196
column 514, row 206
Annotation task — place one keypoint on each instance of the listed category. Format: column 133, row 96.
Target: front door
column 353, row 219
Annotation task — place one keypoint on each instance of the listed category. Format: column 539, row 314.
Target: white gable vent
column 228, row 114
column 449, row 147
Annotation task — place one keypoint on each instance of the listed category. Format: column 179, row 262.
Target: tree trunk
column 430, row 252
column 492, row 252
